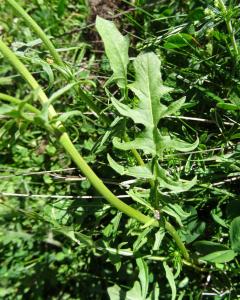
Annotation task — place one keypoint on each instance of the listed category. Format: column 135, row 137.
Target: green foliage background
column 58, row 238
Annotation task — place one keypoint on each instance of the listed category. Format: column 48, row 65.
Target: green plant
column 135, row 91
column 157, row 142
column 65, row 141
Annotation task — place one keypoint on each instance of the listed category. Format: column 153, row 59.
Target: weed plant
column 119, row 168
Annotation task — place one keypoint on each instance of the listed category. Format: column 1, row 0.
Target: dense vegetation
column 147, row 97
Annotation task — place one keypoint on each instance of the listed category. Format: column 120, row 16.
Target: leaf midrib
column 149, row 91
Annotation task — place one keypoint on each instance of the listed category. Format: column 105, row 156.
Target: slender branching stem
column 18, row 65
column 135, row 152
column 98, row 184
column 194, row 266
column 68, row 145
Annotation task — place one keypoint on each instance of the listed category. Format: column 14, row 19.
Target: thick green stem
column 80, row 162
column 98, row 184
column 70, row 148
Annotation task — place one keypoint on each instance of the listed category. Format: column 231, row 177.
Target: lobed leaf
column 148, row 87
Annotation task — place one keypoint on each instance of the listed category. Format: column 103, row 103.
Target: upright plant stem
column 68, row 145
column 135, row 152
column 230, row 29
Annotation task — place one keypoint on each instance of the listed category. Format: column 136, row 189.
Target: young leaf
column 170, row 279
column 172, row 213
column 179, row 186
column 61, row 91
column 174, row 107
column 159, row 235
column 178, row 40
column 219, row 256
column 177, row 208
column 116, row 47
column 227, row 106
column 137, row 171
column 115, row 127
column 207, row 247
column 141, row 239
column 235, row 234
column 216, row 213
column 143, row 276
column 63, row 117
column 182, row 146
column 137, row 197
